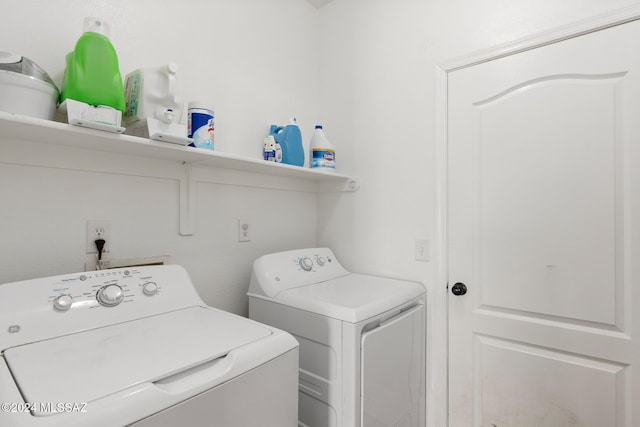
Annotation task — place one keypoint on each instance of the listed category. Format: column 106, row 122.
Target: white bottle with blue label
column 323, row 155
column 200, row 125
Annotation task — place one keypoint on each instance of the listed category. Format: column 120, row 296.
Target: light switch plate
column 422, row 250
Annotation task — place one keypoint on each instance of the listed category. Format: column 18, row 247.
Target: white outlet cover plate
column 92, row 226
column 244, row 230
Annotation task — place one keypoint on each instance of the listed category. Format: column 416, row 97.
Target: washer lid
column 351, row 298
column 89, row 365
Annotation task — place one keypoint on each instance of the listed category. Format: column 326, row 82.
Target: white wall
column 379, row 59
column 254, row 61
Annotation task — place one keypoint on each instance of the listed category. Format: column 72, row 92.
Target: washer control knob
column 306, row 264
column 150, row 288
column 63, row 302
column 110, row 295
column 321, row 261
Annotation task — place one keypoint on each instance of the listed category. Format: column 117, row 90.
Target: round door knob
column 459, row 289
column 306, row 264
column 110, row 295
column 63, row 302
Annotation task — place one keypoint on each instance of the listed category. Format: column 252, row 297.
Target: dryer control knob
column 110, row 295
column 63, row 302
column 306, row 264
column 321, row 261
column 150, row 288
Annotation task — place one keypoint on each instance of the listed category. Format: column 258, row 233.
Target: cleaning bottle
column 290, row 140
column 323, row 155
column 153, row 92
column 93, row 74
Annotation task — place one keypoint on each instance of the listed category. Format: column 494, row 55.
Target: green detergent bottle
column 93, row 74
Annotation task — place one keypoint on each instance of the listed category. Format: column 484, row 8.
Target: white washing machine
column 137, row 347
column 362, row 338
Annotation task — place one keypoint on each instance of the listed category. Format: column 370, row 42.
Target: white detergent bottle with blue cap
column 153, row 93
column 322, row 153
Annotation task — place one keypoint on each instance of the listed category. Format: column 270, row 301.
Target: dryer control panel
column 276, row 272
column 43, row 308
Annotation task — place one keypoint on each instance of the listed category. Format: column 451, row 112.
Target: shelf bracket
column 187, row 202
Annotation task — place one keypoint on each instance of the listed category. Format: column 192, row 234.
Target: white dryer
column 362, row 338
column 137, row 347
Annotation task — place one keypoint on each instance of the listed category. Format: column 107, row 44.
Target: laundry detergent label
column 323, row 158
column 132, row 89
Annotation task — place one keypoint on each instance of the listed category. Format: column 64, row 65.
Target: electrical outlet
column 97, row 229
column 422, row 250
column 244, row 230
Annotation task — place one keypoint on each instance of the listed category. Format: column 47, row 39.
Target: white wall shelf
column 20, row 127
column 14, row 127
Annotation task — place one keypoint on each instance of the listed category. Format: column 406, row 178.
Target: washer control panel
column 52, row 306
column 106, row 288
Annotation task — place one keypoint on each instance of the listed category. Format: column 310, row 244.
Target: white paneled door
column 544, row 234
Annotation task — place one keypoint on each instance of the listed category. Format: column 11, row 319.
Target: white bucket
column 26, row 95
column 155, row 93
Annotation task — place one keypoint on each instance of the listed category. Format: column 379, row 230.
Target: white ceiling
column 319, row 3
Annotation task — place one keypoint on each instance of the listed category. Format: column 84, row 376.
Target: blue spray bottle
column 290, row 140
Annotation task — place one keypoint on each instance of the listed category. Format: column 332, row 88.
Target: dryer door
column 392, row 372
